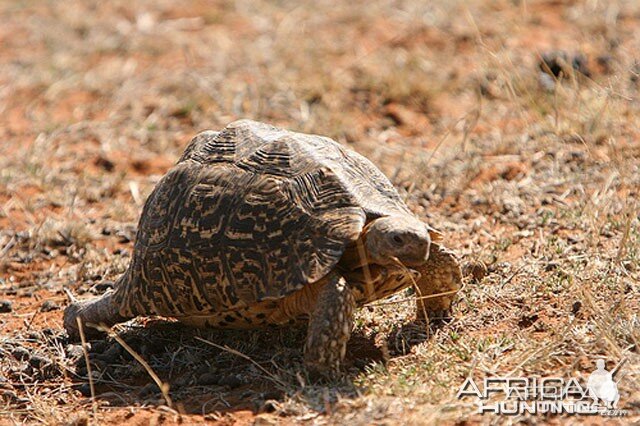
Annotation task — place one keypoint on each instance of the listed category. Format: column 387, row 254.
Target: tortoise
column 257, row 225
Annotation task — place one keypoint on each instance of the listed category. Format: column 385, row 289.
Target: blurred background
column 103, row 91
column 511, row 125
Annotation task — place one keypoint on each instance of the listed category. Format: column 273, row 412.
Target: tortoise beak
column 422, row 256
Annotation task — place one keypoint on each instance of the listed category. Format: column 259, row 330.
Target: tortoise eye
column 398, row 239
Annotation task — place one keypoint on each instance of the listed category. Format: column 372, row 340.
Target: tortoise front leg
column 330, row 325
column 440, row 274
column 103, row 310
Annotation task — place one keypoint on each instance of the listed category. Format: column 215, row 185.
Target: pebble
column 272, row 395
column 39, row 361
column 182, row 381
column 148, row 390
column 575, row 308
column 551, row 266
column 112, row 354
column 98, row 346
column 96, row 366
column 606, row 62
column 208, row 379
column 36, row 336
column 74, row 351
column 477, row 270
column 560, row 63
column 84, row 389
column 19, row 353
column 546, row 81
column 4, row 383
column 269, row 406
column 5, row 306
column 264, row 421
column 232, row 381
column 48, row 306
column 8, row 395
column 206, row 368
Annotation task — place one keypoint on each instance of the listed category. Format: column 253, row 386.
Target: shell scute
column 251, row 213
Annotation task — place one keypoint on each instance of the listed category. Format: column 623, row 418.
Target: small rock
column 148, row 390
column 96, row 366
column 208, row 379
column 546, row 81
column 8, row 395
column 84, row 389
column 79, row 420
column 232, row 381
column 123, row 239
column 499, row 267
column 4, row 383
column 48, row 306
column 272, row 395
column 39, row 361
column 50, row 332
column 477, row 270
column 74, row 351
column 19, row 353
column 551, row 266
column 264, row 421
column 269, row 406
column 575, row 308
column 98, row 346
column 528, row 320
column 182, row 381
column 560, row 64
column 605, row 62
column 111, row 354
column 5, row 306
column 35, row 336
column 205, row 368
column 104, row 163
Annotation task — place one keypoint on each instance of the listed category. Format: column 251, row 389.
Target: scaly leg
column 330, row 325
column 103, row 310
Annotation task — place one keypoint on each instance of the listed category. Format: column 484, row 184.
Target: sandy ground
column 533, row 175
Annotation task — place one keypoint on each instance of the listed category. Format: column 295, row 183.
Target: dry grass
column 535, row 177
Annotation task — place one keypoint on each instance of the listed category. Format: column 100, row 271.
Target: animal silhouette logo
column 602, row 388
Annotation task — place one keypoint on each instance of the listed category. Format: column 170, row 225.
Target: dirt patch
column 529, row 174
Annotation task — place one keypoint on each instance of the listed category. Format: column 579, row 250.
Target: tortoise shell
column 249, row 214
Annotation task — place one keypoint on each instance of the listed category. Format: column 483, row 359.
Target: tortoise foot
column 330, row 326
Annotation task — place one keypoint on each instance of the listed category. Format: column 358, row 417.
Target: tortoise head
column 402, row 237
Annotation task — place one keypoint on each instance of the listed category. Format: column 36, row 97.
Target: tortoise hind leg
column 102, row 310
column 440, row 274
column 330, row 325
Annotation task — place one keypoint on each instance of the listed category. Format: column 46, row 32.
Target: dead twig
column 83, row 340
column 164, row 387
column 241, row 355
